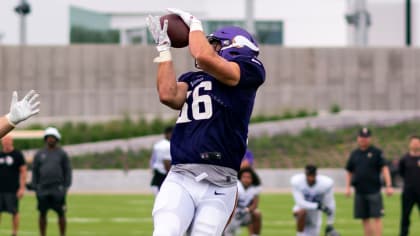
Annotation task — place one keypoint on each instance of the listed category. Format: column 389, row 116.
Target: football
column 178, row 31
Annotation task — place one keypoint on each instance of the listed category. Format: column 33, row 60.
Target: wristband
column 8, row 120
column 196, row 26
column 163, row 56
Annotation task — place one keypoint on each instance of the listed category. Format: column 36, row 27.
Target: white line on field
column 88, row 220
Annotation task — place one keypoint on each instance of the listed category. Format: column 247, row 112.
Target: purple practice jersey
column 212, row 127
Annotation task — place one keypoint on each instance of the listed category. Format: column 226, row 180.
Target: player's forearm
column 167, row 85
column 302, row 203
column 23, row 174
column 348, row 179
column 5, row 126
column 387, row 176
column 199, row 47
column 254, row 204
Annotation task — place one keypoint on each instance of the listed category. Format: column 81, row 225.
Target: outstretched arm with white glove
column 171, row 93
column 19, row 111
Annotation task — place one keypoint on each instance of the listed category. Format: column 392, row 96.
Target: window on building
column 79, row 34
column 88, row 26
column 267, row 32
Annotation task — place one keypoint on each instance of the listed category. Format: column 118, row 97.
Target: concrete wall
column 94, row 82
column 138, row 181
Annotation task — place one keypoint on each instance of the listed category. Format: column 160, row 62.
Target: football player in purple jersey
column 209, row 139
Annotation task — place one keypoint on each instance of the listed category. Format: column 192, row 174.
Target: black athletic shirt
column 10, row 164
column 409, row 168
column 366, row 167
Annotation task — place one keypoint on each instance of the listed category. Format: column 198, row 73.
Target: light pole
column 360, row 18
column 249, row 16
column 408, row 23
column 22, row 10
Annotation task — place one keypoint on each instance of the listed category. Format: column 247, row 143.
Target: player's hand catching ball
column 159, row 34
column 191, row 21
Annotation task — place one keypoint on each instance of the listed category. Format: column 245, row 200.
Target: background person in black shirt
column 409, row 167
column 364, row 167
column 13, row 177
column 51, row 179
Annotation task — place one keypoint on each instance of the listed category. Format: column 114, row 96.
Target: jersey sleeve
column 20, row 159
column 350, row 163
column 381, row 159
column 186, row 77
column 67, row 170
column 252, row 71
column 300, row 199
column 35, row 170
column 401, row 167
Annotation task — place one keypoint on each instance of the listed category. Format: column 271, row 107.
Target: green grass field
column 115, row 215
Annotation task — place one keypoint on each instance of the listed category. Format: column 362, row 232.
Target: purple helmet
column 234, row 41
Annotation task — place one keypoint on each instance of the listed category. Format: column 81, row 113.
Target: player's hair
column 310, row 169
column 414, row 137
column 255, row 179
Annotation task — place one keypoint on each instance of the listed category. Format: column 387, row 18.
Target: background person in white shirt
column 161, row 160
column 313, row 194
column 246, row 212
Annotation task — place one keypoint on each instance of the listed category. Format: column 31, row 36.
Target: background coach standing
column 51, row 179
column 409, row 167
column 364, row 167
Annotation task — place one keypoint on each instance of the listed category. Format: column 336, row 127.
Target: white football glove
column 160, row 35
column 191, row 21
column 23, row 109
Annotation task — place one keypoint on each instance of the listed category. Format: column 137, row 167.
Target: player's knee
column 166, row 224
column 300, row 214
column 203, row 228
column 165, row 232
column 43, row 214
column 166, row 229
column 256, row 214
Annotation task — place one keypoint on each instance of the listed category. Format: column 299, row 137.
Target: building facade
column 298, row 23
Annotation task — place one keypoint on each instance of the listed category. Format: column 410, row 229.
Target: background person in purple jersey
column 209, row 139
column 248, row 160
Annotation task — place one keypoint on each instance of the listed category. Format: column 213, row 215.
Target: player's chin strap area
column 163, row 56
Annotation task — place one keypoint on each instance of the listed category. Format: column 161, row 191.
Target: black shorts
column 55, row 201
column 9, row 203
column 157, row 179
column 368, row 206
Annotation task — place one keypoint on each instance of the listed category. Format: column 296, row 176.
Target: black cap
column 365, row 132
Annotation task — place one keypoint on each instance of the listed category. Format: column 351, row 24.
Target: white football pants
column 198, row 208
column 313, row 221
